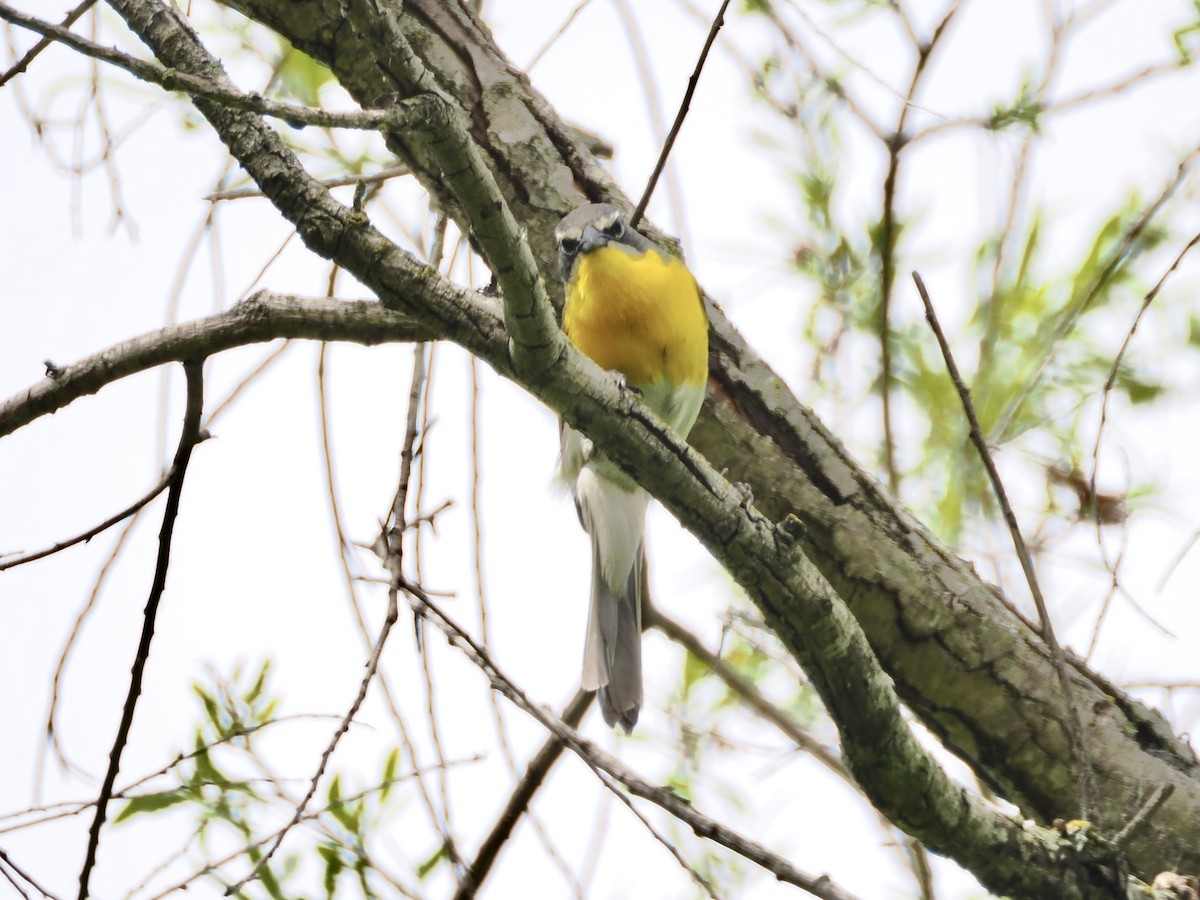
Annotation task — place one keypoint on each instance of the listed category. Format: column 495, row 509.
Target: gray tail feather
column 613, row 652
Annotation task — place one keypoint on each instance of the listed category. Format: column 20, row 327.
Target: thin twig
column 195, row 86
column 1179, row 558
column 25, row 875
column 298, row 816
column 11, row 879
column 52, row 740
column 188, row 438
column 679, row 117
column 553, row 39
column 1153, row 804
column 19, row 67
column 592, row 755
column 92, row 532
column 889, row 231
column 609, row 782
column 342, row 181
column 1074, row 723
column 385, row 687
column 1116, row 366
column 393, row 558
column 640, row 51
column 518, row 802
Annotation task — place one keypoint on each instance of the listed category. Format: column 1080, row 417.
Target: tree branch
column 297, row 116
column 188, row 438
column 596, row 758
column 92, row 532
column 1073, row 722
column 518, row 802
column 684, row 106
column 22, row 64
column 261, row 317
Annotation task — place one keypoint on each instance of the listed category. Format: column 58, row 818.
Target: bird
column 635, row 310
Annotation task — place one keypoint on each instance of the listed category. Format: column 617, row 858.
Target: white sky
column 254, row 572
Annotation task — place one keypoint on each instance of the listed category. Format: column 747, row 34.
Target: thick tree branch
column 442, row 136
column 261, row 317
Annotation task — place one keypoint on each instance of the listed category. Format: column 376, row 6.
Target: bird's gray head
column 591, row 227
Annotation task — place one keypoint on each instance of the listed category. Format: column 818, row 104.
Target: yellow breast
column 639, row 315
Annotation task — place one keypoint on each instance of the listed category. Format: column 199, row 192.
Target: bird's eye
column 616, row 229
column 569, row 246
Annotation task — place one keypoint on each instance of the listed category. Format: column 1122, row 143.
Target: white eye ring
column 616, row 229
column 569, row 246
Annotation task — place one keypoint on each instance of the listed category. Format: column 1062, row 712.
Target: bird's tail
column 612, row 660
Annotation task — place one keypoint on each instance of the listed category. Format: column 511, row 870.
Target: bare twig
column 392, row 561
column 679, row 117
column 11, row 879
column 592, row 755
column 608, row 781
column 92, row 532
column 550, row 41
column 385, row 687
column 7, row 860
column 1116, row 366
column 22, row 64
column 1179, row 558
column 1153, row 804
column 52, row 738
column 896, row 143
column 640, row 52
column 1073, row 722
column 518, row 802
column 748, row 692
column 195, row 86
column 188, row 438
column 343, row 181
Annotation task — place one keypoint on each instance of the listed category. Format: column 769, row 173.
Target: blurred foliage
column 1039, row 341
column 227, row 804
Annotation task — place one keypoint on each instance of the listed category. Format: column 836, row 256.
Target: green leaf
column 694, row 669
column 206, row 772
column 348, row 814
column 211, row 708
column 751, row 7
column 389, row 773
column 147, row 803
column 302, row 76
column 334, row 866
column 259, row 685
column 430, row 864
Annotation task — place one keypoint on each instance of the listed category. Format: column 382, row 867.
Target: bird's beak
column 592, row 239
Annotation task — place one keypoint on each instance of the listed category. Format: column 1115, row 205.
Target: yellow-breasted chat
column 635, row 310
